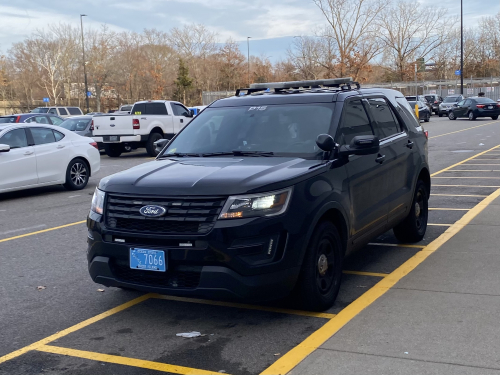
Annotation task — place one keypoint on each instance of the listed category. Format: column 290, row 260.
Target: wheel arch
column 157, row 129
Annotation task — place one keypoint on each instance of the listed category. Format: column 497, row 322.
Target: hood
column 211, row 176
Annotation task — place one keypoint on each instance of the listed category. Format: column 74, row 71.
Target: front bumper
column 245, row 259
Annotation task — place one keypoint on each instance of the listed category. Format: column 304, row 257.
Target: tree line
column 369, row 40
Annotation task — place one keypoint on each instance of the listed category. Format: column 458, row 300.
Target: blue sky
column 271, row 23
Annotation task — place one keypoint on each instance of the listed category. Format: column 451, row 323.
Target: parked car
column 261, row 196
column 423, row 111
column 124, row 109
column 197, row 109
column 81, row 125
column 59, row 111
column 31, row 117
column 474, row 108
column 435, row 101
column 150, row 121
column 422, row 99
column 447, row 104
column 33, row 155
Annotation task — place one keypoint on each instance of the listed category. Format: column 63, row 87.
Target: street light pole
column 248, row 45
column 461, row 47
column 84, row 65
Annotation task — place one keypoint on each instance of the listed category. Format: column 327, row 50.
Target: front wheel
column 319, row 281
column 150, row 144
column 472, row 116
column 494, row 117
column 77, row 175
column 414, row 226
column 452, row 116
column 428, row 118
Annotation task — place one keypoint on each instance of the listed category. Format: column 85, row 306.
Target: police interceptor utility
column 264, row 193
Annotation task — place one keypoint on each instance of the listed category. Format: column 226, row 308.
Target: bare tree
column 305, row 54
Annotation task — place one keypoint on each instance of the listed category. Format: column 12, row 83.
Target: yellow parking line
column 448, row 209
column 440, row 225
column 41, row 231
column 497, row 159
column 291, row 359
column 76, row 327
column 458, row 195
column 125, row 361
column 459, row 131
column 245, row 306
column 474, row 186
column 396, row 245
column 464, row 161
column 361, row 273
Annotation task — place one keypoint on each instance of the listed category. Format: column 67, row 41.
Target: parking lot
column 55, row 320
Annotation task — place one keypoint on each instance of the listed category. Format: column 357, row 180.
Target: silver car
column 447, row 104
column 78, row 124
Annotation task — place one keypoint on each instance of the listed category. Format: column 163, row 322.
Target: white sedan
column 39, row 155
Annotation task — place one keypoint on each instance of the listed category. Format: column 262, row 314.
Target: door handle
column 182, row 121
column 60, row 146
column 28, row 153
column 410, row 144
column 380, row 159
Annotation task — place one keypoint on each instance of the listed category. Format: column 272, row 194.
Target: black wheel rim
column 78, row 173
column 325, row 265
column 421, row 211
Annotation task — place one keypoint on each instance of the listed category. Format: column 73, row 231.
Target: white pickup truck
column 147, row 122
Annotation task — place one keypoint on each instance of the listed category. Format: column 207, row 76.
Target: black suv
column 263, row 194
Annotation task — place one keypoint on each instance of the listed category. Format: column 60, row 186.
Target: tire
column 472, row 116
column 428, row 118
column 113, row 150
column 150, row 147
column 452, row 116
column 317, row 287
column 414, row 226
column 440, row 114
column 494, row 117
column 77, row 175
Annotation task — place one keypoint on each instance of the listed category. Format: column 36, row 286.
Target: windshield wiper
column 240, row 153
column 179, row 155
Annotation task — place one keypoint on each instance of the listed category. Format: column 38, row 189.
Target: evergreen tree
column 183, row 82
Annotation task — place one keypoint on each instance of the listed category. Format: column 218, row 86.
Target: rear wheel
column 494, row 117
column 319, row 281
column 472, row 116
column 113, row 150
column 412, row 229
column 452, row 116
column 150, row 144
column 428, row 118
column 77, row 175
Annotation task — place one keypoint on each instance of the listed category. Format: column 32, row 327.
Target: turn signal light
column 94, row 144
column 136, row 124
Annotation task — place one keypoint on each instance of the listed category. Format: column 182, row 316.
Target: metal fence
column 209, row 96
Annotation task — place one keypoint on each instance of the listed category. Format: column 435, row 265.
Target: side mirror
column 361, row 145
column 4, row 148
column 160, row 144
column 325, row 142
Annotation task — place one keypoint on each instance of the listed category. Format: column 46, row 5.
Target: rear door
column 396, row 147
column 367, row 179
column 18, row 166
column 181, row 116
column 52, row 156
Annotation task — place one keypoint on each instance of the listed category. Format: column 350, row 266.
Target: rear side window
column 156, row 109
column 15, row 139
column 63, row 112
column 74, row 111
column 42, row 136
column 139, row 109
column 354, row 122
column 53, row 111
column 386, row 123
column 407, row 112
column 58, row 135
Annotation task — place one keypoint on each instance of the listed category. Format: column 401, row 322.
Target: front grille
column 183, row 216
column 180, row 277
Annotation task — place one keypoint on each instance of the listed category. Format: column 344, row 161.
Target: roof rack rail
column 340, row 83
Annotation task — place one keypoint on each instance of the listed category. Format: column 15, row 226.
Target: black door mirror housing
column 191, row 113
column 4, row 148
column 361, row 145
column 325, row 142
column 160, row 144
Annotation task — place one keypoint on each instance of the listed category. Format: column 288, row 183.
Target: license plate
column 148, row 260
column 490, row 107
column 114, row 138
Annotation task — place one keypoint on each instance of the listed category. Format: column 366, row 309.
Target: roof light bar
column 336, row 82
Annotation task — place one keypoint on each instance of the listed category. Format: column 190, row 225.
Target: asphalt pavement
column 388, row 304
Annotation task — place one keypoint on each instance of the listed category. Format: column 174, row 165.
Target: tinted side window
column 74, row 111
column 386, row 123
column 180, row 110
column 461, row 102
column 63, row 112
column 407, row 112
column 156, row 109
column 354, row 122
column 56, row 120
column 58, row 135
column 15, row 138
column 139, row 109
column 42, row 136
column 468, row 102
column 53, row 111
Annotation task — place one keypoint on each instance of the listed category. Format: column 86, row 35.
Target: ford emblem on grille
column 153, row 211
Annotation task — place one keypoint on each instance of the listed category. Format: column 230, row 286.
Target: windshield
column 76, row 124
column 4, row 120
column 40, row 110
column 278, row 129
column 451, row 99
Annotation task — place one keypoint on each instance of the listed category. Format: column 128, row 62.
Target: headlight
column 98, row 201
column 255, row 205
